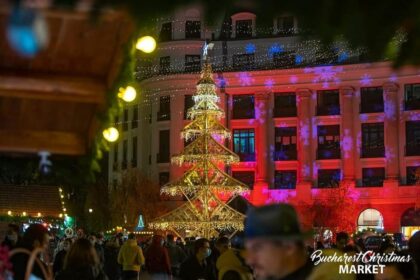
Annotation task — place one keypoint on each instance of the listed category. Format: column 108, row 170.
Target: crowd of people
column 272, row 246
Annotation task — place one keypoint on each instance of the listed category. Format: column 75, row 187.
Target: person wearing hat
column 275, row 243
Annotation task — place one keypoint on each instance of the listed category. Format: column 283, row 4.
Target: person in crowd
column 80, row 233
column 342, row 240
column 12, row 237
column 35, row 237
column 82, row 263
column 131, row 258
column 111, row 267
column 99, row 249
column 58, row 264
column 275, row 243
column 230, row 264
column 176, row 255
column 198, row 266
column 158, row 264
column 414, row 251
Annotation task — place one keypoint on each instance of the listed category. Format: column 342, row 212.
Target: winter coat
column 230, row 263
column 131, row 256
column 157, row 258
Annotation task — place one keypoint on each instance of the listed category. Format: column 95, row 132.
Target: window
column 373, row 177
column 192, row 29
column 328, row 142
column 124, row 161
column 134, row 153
column 166, row 32
column 164, row 64
column 246, row 177
column 285, row 143
column 163, row 155
column 243, row 61
column 163, row 178
column 188, row 103
column 413, row 175
column 412, row 97
column 285, row 105
column 125, row 120
column 192, row 63
column 164, row 113
column 328, row 103
column 243, row 107
column 371, row 100
column 244, row 29
column 135, row 121
column 373, row 140
column 284, row 59
column 412, row 138
column 286, row 26
column 244, row 144
column 329, row 178
column 285, row 179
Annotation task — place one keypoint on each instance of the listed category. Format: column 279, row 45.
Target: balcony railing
column 328, row 110
column 328, row 153
column 413, row 104
column 162, row 157
column 372, row 152
column 284, row 155
column 163, row 116
column 412, row 149
column 285, row 112
column 246, row 157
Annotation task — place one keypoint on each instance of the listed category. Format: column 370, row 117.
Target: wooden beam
column 53, row 88
column 32, row 141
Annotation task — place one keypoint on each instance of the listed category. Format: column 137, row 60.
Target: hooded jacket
column 131, row 256
column 229, row 261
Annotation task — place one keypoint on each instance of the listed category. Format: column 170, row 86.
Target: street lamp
column 90, row 210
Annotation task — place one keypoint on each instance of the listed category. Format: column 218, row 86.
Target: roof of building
column 30, row 199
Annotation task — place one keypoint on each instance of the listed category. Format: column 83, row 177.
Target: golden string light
column 204, row 213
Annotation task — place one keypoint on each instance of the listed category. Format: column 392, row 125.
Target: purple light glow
column 268, row 83
column 325, row 75
column 293, row 79
column 347, row 143
column 245, row 79
column 366, row 80
column 390, row 110
column 304, row 132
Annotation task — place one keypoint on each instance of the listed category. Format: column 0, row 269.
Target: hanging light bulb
column 146, row 44
column 111, row 134
column 127, row 94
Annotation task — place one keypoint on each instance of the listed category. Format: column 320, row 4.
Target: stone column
column 348, row 138
column 304, row 146
column 260, row 192
column 391, row 108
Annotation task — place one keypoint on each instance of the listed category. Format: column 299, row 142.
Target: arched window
column 370, row 219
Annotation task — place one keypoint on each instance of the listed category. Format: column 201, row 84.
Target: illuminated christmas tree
column 204, row 213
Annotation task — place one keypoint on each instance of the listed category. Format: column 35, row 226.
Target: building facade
column 304, row 122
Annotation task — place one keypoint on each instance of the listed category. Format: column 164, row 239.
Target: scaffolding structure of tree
column 204, row 213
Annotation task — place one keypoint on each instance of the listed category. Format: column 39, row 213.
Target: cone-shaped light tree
column 204, row 213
